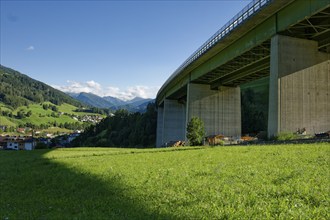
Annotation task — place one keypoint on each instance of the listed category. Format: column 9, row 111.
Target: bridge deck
column 242, row 54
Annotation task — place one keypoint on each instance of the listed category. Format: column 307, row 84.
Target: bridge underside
column 255, row 62
column 296, row 59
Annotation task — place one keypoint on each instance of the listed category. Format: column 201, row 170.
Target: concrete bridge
column 285, row 40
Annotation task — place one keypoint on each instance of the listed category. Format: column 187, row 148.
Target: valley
column 31, row 111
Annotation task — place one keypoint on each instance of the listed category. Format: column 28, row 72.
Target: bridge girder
column 308, row 19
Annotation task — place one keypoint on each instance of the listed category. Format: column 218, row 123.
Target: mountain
column 28, row 103
column 146, row 103
column 137, row 104
column 136, row 99
column 72, row 94
column 139, row 101
column 94, row 100
column 17, row 89
column 114, row 101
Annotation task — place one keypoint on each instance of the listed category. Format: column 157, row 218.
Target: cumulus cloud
column 30, row 48
column 132, row 92
column 97, row 89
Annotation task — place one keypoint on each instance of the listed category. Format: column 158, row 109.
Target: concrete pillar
column 160, row 125
column 299, row 86
column 219, row 110
column 173, row 123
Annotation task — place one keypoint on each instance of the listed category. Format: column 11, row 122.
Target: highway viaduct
column 287, row 41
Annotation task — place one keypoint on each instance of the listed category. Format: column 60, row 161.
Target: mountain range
column 137, row 104
column 17, row 89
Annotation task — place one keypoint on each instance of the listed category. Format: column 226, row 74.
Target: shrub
column 195, row 131
column 285, row 136
column 221, row 143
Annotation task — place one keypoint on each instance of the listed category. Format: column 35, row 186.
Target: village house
column 27, row 144
column 13, row 145
column 17, row 143
column 20, row 130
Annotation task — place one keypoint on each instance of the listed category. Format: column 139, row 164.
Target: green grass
column 286, row 136
column 5, row 121
column 41, row 116
column 254, row 182
column 70, row 109
column 53, row 130
column 3, row 107
column 34, row 108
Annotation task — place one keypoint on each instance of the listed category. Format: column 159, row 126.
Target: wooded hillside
column 17, row 89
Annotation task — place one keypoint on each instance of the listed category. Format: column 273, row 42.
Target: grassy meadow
column 250, row 182
column 40, row 116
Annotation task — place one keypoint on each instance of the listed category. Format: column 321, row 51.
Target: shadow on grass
column 34, row 187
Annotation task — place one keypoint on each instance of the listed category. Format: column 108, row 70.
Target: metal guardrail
column 237, row 20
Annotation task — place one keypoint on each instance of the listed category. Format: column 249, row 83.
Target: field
column 39, row 115
column 250, row 182
column 42, row 116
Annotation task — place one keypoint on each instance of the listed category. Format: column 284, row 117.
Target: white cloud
column 97, row 89
column 132, row 92
column 94, row 85
column 30, row 48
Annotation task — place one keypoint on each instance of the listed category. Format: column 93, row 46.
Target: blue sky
column 117, row 48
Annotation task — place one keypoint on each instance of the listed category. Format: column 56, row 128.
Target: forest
column 123, row 129
column 17, row 89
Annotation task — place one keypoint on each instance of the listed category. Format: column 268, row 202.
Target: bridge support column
column 219, row 110
column 160, row 126
column 171, row 122
column 299, row 90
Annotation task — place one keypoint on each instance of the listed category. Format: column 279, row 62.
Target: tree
column 45, row 106
column 54, row 108
column 195, row 131
column 21, row 114
column 28, row 114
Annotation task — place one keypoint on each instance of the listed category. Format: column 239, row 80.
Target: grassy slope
column 5, row 121
column 70, row 109
column 40, row 115
column 258, row 182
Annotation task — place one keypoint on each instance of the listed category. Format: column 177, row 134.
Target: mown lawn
column 250, row 182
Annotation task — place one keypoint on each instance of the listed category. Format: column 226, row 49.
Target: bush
column 221, row 143
column 285, row 136
column 195, row 131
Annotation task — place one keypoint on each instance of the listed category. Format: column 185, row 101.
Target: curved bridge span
column 285, row 40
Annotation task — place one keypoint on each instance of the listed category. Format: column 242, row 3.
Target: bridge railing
column 238, row 19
